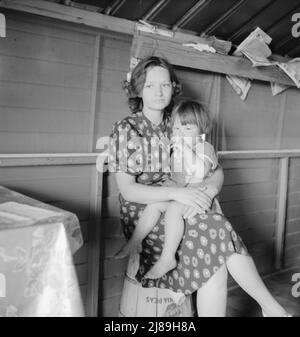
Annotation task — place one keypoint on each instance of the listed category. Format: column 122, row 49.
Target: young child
column 192, row 160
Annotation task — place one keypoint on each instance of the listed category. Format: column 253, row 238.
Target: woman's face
column 157, row 90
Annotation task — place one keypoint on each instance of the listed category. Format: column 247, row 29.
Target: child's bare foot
column 161, row 267
column 131, row 247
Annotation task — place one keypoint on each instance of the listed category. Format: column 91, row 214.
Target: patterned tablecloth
column 37, row 274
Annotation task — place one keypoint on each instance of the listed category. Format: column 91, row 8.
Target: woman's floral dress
column 141, row 148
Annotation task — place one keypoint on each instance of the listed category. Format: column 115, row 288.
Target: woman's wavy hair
column 134, row 86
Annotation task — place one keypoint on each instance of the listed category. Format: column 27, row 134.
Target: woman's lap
column 208, row 241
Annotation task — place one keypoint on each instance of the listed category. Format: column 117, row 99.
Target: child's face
column 190, row 131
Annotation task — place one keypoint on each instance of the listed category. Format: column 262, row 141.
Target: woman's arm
column 214, row 183
column 145, row 194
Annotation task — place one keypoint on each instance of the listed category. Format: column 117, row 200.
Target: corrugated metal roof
column 230, row 20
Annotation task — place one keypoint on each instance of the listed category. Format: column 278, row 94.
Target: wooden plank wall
column 111, row 106
column 51, row 102
column 292, row 241
column 249, row 199
column 45, row 88
column 46, row 106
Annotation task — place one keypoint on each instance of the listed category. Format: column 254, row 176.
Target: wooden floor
column 280, row 285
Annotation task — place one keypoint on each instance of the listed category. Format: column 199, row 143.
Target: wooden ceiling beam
column 210, row 29
column 155, row 9
column 71, row 14
column 191, row 13
column 182, row 56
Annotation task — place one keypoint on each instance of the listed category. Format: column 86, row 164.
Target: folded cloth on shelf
column 240, row 85
column 255, row 48
column 278, row 88
column 292, row 69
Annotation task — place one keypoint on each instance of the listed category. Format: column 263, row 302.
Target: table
column 37, row 274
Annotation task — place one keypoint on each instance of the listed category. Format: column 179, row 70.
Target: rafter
column 209, row 30
column 283, row 41
column 155, row 9
column 114, row 7
column 251, row 23
column 283, row 19
column 293, row 50
column 191, row 13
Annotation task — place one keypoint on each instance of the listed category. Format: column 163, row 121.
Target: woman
column 139, row 156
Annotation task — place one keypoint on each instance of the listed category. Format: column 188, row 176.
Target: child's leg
column 146, row 222
column 174, row 228
column 243, row 270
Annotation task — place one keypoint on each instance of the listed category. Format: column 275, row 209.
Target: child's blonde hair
column 192, row 112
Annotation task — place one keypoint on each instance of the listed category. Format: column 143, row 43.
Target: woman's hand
column 190, row 211
column 194, row 197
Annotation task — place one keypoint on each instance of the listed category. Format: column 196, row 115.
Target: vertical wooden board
column 293, row 199
column 292, row 226
column 110, row 80
column 111, row 227
column 84, row 226
column 111, row 104
column 111, row 206
column 81, row 270
column 115, row 54
column 81, row 256
column 109, row 185
column 292, row 239
column 112, row 108
column 110, row 306
column 112, row 286
column 293, row 212
column 294, row 169
column 114, row 268
column 83, row 289
column 292, row 254
column 112, row 246
column 293, row 185
column 290, row 132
